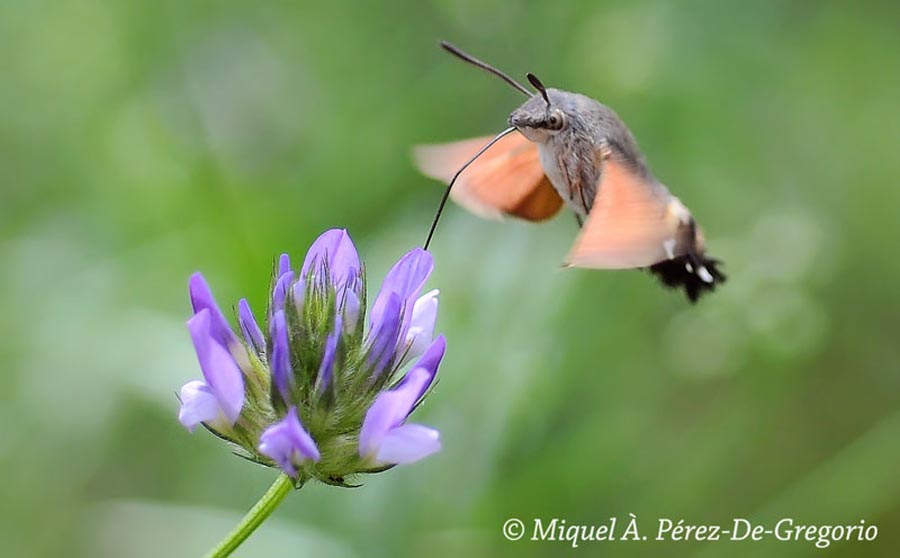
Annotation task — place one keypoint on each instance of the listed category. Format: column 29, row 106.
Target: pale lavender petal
column 344, row 262
column 408, row 443
column 281, row 356
column 222, row 374
column 287, row 443
column 202, row 299
column 383, row 336
column 252, row 334
column 351, row 311
column 284, row 265
column 318, row 253
column 327, row 365
column 409, row 274
column 335, row 249
column 275, row 444
column 198, row 404
column 279, row 293
column 421, row 326
column 405, row 279
column 390, row 409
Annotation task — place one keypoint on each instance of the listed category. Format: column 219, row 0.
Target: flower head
column 318, row 390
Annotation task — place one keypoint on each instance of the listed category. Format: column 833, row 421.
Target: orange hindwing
column 634, row 222
column 506, row 180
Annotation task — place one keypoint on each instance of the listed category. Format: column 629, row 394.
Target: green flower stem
column 254, row 518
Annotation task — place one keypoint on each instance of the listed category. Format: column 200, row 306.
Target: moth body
column 575, row 151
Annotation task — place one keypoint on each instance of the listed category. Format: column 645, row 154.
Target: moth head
column 541, row 116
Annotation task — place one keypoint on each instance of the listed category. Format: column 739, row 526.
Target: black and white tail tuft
column 697, row 274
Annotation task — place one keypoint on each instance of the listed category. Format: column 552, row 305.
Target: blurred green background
column 141, row 141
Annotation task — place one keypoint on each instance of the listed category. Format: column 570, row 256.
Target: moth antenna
column 484, row 66
column 533, row 80
column 440, row 209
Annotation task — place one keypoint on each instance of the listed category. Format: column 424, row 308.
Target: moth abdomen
column 696, row 274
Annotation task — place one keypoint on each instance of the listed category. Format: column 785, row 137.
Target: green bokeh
column 141, row 141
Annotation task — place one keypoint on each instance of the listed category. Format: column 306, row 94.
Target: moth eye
column 556, row 120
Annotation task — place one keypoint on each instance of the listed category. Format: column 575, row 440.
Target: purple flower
column 281, row 356
column 351, row 311
column 284, row 264
column 202, row 299
column 385, row 437
column 319, row 357
column 252, row 334
column 383, row 335
column 218, row 400
column 326, row 368
column 404, row 280
column 403, row 283
column 335, row 252
column 421, row 326
column 288, row 444
column 279, row 293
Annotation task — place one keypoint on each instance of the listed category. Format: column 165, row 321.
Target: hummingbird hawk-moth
column 565, row 148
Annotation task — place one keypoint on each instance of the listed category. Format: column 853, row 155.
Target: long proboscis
column 440, row 210
column 466, row 57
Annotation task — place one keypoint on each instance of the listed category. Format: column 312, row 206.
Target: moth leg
column 561, row 163
column 584, row 202
column 602, row 154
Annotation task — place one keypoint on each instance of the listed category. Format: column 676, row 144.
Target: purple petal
column 383, row 336
column 279, row 293
column 198, row 404
column 405, row 279
column 281, row 356
column 421, row 326
column 390, row 409
column 335, row 249
column 222, row 374
column 202, row 299
column 408, row 443
column 252, row 334
column 429, row 362
column 287, row 443
column 327, row 364
column 351, row 311
column 284, row 264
